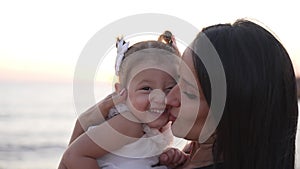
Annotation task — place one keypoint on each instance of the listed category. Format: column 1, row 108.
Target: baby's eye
column 146, row 88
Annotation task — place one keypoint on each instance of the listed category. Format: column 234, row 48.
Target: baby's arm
column 96, row 114
column 100, row 140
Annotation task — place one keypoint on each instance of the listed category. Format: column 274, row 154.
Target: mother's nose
column 173, row 97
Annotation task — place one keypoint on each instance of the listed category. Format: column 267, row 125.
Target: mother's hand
column 110, row 101
column 173, row 158
column 97, row 114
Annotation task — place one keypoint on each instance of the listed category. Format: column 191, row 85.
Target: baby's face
column 146, row 93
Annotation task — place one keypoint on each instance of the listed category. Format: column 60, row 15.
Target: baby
column 136, row 131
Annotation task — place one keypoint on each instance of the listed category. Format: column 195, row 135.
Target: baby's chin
column 159, row 122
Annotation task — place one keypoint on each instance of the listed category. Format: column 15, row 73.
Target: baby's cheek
column 138, row 104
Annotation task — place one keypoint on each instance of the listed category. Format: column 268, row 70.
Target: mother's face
column 187, row 105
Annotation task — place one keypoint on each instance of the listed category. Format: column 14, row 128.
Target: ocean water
column 36, row 121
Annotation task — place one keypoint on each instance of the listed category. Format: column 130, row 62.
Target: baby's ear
column 118, row 87
column 120, row 94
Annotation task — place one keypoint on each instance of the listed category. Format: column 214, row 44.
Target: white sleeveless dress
column 141, row 154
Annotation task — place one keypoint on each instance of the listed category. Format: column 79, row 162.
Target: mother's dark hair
column 259, row 122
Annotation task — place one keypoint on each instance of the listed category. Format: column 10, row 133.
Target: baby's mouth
column 158, row 111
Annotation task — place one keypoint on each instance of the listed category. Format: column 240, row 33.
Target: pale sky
column 42, row 40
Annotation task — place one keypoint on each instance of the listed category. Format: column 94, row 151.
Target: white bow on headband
column 121, row 49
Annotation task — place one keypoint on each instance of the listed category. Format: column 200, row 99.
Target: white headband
column 121, row 49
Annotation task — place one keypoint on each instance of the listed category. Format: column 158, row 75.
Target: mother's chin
column 183, row 129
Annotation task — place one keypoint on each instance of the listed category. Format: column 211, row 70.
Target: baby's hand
column 173, row 157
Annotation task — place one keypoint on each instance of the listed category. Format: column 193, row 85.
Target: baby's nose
column 157, row 96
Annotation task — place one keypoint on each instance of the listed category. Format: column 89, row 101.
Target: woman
column 257, row 129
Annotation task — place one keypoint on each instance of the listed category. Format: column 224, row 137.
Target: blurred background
column 40, row 42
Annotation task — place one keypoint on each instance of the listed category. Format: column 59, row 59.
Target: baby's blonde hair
column 159, row 45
